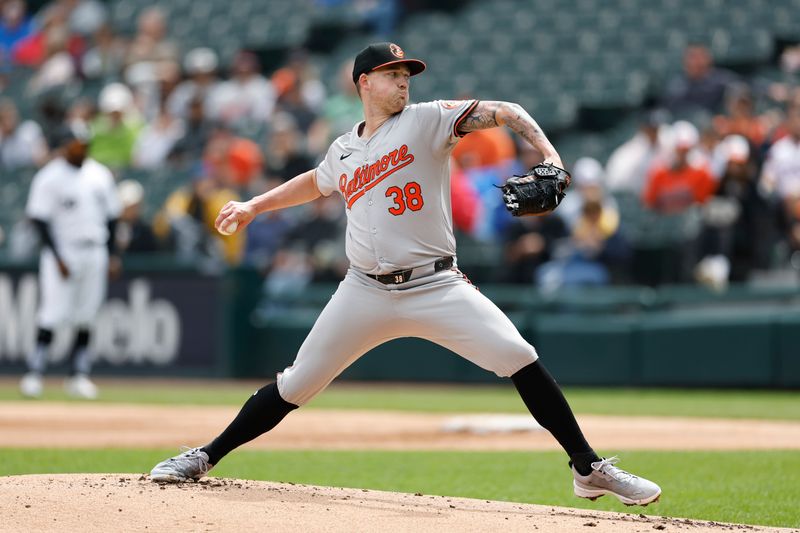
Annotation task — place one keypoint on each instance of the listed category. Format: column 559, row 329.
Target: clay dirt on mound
column 125, row 502
column 85, row 425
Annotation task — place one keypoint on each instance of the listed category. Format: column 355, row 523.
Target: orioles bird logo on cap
column 396, row 50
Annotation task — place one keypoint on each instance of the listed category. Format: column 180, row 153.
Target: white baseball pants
column 75, row 300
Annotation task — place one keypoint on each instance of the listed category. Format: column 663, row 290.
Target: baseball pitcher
column 392, row 174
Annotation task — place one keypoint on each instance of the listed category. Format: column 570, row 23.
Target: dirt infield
column 121, row 502
column 82, row 425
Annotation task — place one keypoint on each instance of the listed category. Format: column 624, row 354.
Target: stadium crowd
column 715, row 159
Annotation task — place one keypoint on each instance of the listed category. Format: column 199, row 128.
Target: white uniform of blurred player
column 73, row 203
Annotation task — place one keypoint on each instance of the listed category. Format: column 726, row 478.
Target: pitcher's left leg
column 457, row 316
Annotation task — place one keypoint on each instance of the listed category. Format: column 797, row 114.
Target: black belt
column 401, row 276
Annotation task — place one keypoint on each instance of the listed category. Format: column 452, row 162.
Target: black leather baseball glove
column 538, row 192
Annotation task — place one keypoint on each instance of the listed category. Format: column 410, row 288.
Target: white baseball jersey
column 396, row 187
column 76, row 202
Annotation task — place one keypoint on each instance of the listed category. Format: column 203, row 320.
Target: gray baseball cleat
column 608, row 479
column 190, row 465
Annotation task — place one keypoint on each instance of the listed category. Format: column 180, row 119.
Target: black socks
column 540, row 392
column 79, row 357
column 546, row 402
column 260, row 413
column 37, row 359
column 80, row 360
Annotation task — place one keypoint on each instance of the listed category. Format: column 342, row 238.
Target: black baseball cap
column 379, row 55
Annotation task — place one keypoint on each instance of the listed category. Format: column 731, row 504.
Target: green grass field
column 779, row 405
column 740, row 487
column 757, row 487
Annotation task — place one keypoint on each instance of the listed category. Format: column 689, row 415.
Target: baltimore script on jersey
column 369, row 175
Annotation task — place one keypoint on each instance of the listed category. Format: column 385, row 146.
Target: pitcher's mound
column 125, row 502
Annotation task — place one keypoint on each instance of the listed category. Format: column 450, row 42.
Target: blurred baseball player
column 392, row 172
column 73, row 204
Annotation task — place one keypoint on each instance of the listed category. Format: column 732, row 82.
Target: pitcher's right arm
column 299, row 190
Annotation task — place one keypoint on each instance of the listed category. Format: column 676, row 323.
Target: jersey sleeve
column 324, row 175
column 41, row 200
column 439, row 120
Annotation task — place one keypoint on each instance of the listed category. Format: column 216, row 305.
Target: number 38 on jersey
column 407, row 197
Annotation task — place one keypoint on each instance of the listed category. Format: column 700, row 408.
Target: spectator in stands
column 197, row 131
column 596, row 234
column 151, row 83
column 736, row 219
column 150, row 44
column 701, row 86
column 781, row 91
column 291, row 102
column 630, row 164
column 245, row 162
column 189, row 214
column 133, row 235
column 465, row 201
column 86, row 17
column 190, row 211
column 285, row 155
column 529, row 243
column 301, row 72
column 33, row 50
column 200, row 65
column 22, row 144
column 318, row 236
column 708, row 152
column 777, row 120
column 156, row 141
column 15, row 25
column 339, row 112
column 587, row 184
column 247, row 97
column 741, row 118
column 58, row 66
column 780, row 177
column 266, row 233
column 106, row 58
column 116, row 128
column 594, row 250
column 674, row 187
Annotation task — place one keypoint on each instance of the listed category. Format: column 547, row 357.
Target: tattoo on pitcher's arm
column 492, row 114
column 523, row 124
column 483, row 116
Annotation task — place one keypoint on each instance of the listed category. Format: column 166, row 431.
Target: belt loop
column 443, row 264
